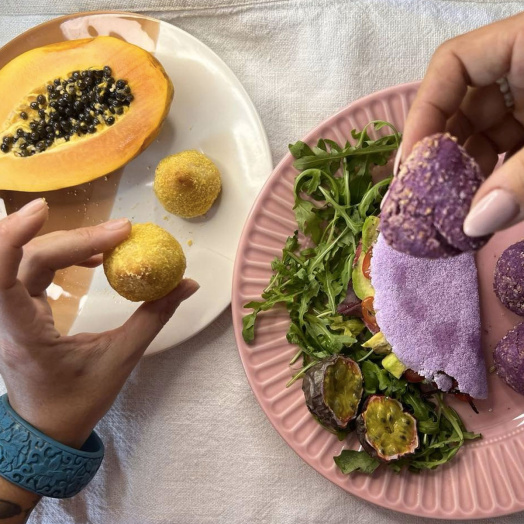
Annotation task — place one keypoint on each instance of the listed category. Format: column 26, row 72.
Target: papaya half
column 77, row 110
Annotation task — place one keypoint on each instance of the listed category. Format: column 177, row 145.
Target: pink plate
column 486, row 477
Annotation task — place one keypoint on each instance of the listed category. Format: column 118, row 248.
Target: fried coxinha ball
column 147, row 265
column 187, row 183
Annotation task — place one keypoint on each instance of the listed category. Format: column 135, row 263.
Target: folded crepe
column 428, row 310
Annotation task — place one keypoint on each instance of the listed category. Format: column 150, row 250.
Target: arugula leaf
column 373, row 196
column 421, row 409
column 300, row 149
column 248, row 327
column 370, row 371
column 365, row 146
column 351, row 460
column 358, row 187
column 308, row 221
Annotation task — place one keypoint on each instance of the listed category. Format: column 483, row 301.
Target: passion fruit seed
column 387, row 428
column 71, row 106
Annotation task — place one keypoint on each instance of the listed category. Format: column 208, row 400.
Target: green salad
column 352, row 381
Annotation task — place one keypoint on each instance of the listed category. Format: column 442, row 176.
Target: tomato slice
column 464, row 397
column 412, row 376
column 368, row 315
column 366, row 263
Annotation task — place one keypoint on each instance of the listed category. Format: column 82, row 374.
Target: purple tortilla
column 428, row 310
column 509, row 278
column 508, row 357
column 428, row 201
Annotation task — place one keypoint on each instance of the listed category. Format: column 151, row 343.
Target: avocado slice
column 361, row 285
column 393, row 365
column 378, row 344
column 369, row 232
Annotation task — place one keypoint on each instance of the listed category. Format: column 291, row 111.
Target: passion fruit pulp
column 333, row 389
column 385, row 430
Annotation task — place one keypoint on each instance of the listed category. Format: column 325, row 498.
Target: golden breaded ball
column 187, row 183
column 147, row 265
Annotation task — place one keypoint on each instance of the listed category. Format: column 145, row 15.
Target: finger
column 15, row 231
column 486, row 146
column 478, row 59
column 132, row 339
column 506, row 135
column 499, row 203
column 93, row 261
column 481, row 109
column 48, row 253
column 484, row 151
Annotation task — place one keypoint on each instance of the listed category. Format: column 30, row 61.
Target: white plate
column 212, row 113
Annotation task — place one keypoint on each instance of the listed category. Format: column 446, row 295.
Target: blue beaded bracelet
column 37, row 463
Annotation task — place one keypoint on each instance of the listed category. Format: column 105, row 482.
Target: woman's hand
column 460, row 94
column 63, row 385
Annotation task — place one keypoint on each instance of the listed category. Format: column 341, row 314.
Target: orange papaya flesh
column 122, row 91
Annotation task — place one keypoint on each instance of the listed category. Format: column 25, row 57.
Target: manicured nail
column 117, row 223
column 34, row 207
column 494, row 212
column 396, row 163
column 186, row 288
column 191, row 286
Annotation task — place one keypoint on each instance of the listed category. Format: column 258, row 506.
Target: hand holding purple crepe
column 428, row 310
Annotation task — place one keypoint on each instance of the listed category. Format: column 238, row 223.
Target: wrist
column 52, row 423
column 38, row 463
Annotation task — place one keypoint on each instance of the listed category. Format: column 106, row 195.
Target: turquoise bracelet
column 37, row 463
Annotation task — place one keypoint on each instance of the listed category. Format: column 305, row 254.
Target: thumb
column 499, row 203
column 132, row 338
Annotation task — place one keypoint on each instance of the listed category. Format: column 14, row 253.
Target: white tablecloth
column 186, row 441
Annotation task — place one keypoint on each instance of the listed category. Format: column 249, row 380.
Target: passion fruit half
column 385, row 430
column 333, row 390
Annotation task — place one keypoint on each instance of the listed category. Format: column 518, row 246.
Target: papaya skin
column 85, row 158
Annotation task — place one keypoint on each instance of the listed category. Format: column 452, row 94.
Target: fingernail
column 396, row 163
column 34, row 207
column 495, row 211
column 117, row 223
column 191, row 287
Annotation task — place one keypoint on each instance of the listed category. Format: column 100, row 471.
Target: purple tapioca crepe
column 428, row 310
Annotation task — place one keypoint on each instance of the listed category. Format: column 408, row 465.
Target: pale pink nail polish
column 33, row 207
column 494, row 212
